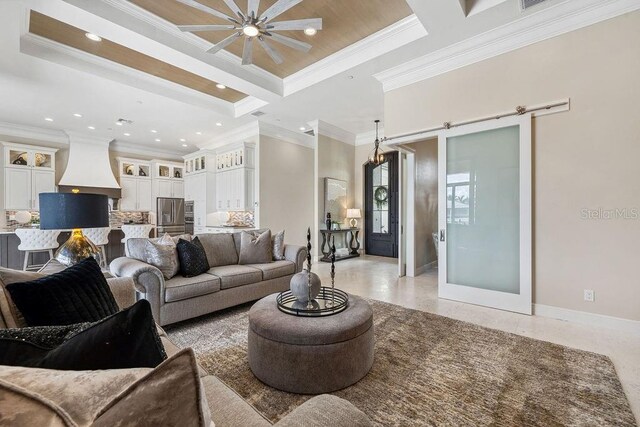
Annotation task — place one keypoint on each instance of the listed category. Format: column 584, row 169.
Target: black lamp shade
column 61, row 211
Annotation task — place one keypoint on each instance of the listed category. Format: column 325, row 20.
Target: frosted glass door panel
column 484, row 220
column 484, row 214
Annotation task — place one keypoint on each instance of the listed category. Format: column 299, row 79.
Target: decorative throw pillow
column 160, row 253
column 256, row 249
column 43, row 336
column 128, row 339
column 77, row 294
column 193, row 259
column 10, row 313
column 170, row 394
column 278, row 246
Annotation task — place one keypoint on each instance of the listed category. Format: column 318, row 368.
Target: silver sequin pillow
column 161, row 253
column 278, row 246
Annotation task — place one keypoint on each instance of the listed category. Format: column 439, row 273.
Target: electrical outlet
column 589, row 295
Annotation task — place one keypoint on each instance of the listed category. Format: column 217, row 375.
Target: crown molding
column 545, row 24
column 287, row 135
column 25, row 132
column 129, row 148
column 248, row 105
column 390, row 38
column 334, row 132
column 43, row 48
column 239, row 134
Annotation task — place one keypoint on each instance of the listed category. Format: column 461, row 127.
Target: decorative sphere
column 300, row 286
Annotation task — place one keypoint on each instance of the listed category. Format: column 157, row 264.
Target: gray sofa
column 227, row 408
column 226, row 284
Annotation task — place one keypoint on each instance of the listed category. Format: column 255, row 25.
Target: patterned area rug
column 433, row 370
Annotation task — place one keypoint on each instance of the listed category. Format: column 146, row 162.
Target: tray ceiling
column 69, row 35
column 344, row 22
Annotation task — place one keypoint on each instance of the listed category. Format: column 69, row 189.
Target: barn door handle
column 442, row 235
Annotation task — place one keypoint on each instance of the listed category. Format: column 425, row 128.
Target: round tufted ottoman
column 310, row 355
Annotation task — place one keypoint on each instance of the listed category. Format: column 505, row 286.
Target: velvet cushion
column 170, row 394
column 10, row 313
column 256, row 249
column 193, row 259
column 128, row 339
column 161, row 253
column 77, row 294
column 43, row 336
column 278, row 246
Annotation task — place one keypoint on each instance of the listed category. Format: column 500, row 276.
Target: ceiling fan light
column 310, row 31
column 250, row 30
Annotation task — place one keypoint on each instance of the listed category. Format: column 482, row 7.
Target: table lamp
column 74, row 211
column 354, row 214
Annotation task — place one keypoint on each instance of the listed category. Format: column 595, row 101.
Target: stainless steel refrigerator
column 170, row 216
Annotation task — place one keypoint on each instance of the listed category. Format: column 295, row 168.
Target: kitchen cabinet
column 27, row 172
column 198, row 162
column 167, row 179
column 135, row 181
column 235, row 190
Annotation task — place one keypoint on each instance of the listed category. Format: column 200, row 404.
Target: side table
column 353, row 242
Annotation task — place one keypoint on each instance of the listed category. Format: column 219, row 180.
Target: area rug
column 433, row 370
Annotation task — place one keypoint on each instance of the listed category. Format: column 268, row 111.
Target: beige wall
column 335, row 160
column 586, row 158
column 286, row 188
column 426, row 200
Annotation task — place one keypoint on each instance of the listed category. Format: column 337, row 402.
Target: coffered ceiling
column 344, row 22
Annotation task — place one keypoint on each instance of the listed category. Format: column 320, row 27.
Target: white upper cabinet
column 167, row 179
column 27, row 172
column 235, row 178
column 135, row 181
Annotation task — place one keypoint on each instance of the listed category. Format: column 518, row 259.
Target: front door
column 485, row 214
column 381, row 207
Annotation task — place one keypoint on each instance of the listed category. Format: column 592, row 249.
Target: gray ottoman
column 310, row 355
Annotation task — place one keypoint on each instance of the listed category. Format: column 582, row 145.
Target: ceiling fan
column 256, row 27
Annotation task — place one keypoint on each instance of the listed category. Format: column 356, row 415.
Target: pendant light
column 377, row 156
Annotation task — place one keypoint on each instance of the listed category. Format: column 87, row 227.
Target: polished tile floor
column 377, row 278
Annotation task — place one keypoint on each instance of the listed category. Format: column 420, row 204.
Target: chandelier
column 377, row 155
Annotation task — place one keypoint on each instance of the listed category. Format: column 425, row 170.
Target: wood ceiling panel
column 69, row 35
column 344, row 22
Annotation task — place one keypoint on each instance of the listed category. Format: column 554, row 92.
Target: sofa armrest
column 325, row 410
column 296, row 254
column 148, row 280
column 123, row 290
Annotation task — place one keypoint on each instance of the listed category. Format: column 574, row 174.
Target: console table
column 352, row 233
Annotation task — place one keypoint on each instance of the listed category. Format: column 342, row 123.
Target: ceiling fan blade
column 234, row 7
column 253, row 6
column 194, row 4
column 297, row 24
column 288, row 41
column 193, row 28
column 277, row 58
column 277, row 8
column 247, row 51
column 224, row 43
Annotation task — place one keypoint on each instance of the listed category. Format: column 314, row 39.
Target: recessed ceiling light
column 91, row 127
column 218, row 124
column 310, row 31
column 157, row 139
column 77, row 115
column 221, row 86
column 49, row 119
column 127, row 134
column 183, row 140
column 198, row 133
column 94, row 37
column 154, row 131
column 303, row 128
column 350, row 77
column 184, row 145
column 118, row 123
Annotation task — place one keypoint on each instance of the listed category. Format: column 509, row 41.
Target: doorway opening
column 381, row 184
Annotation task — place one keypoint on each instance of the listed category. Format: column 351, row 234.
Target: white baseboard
column 423, row 269
column 617, row 323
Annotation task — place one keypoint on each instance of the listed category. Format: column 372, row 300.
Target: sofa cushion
column 77, row 294
column 229, row 409
column 236, row 275
column 161, row 253
column 275, row 269
column 220, row 249
column 10, row 313
column 180, row 288
column 255, row 249
column 193, row 259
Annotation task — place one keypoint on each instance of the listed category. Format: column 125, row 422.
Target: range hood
column 88, row 168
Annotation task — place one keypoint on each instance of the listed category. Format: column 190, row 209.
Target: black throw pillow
column 193, row 259
column 77, row 294
column 128, row 339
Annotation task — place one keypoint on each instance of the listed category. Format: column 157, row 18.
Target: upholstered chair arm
column 297, row 254
column 123, row 290
column 148, row 280
column 314, row 413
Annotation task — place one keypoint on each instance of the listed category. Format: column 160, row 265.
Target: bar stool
column 100, row 238
column 33, row 240
column 132, row 231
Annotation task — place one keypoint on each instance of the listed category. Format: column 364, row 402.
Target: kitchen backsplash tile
column 116, row 219
column 241, row 217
